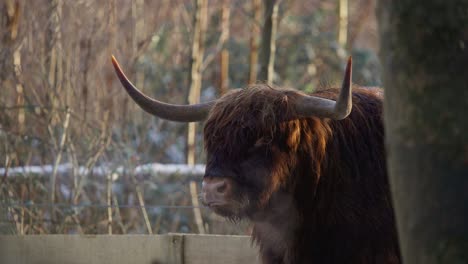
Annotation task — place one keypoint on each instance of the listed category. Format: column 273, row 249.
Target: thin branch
column 141, row 202
column 118, row 214
column 59, row 157
column 109, row 203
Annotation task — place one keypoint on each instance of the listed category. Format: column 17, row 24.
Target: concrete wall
column 127, row 249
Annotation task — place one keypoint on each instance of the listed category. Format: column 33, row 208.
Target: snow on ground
column 103, row 170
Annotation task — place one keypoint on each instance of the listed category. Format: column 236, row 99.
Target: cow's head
column 251, row 138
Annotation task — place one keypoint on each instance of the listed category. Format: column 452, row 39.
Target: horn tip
column 114, row 60
column 117, row 67
column 350, row 62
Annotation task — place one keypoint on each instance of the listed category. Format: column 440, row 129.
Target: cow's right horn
column 180, row 113
column 321, row 107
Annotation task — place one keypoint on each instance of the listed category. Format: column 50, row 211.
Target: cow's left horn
column 181, row 113
column 321, row 107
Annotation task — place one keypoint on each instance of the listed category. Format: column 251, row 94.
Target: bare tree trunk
column 424, row 52
column 10, row 80
column 109, row 203
column 268, row 49
column 366, row 8
column 199, row 29
column 224, row 58
column 17, row 73
column 54, row 78
column 224, row 75
column 86, row 58
column 110, row 76
column 138, row 35
column 343, row 24
column 10, row 57
column 54, row 56
column 108, row 112
column 58, row 159
column 254, row 41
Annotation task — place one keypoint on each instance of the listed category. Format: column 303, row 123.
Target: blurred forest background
column 61, row 103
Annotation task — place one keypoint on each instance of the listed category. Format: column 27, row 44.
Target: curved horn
column 316, row 106
column 181, row 113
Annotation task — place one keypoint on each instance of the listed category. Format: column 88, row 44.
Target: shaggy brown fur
column 315, row 189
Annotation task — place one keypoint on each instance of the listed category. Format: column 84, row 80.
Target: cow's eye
column 259, row 142
column 251, row 150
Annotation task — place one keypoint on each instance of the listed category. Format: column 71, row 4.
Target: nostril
column 215, row 187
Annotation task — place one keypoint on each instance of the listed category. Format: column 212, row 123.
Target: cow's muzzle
column 216, row 191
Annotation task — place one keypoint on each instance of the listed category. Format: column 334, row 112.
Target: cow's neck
column 276, row 231
column 277, row 228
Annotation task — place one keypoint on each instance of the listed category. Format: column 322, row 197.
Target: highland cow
column 307, row 170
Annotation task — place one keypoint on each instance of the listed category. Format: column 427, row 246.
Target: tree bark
column 109, row 104
column 10, row 80
column 424, row 52
column 195, row 78
column 10, row 57
column 361, row 18
column 254, row 35
column 138, row 8
column 224, row 58
column 268, row 45
column 224, row 74
column 343, row 23
column 54, row 56
column 199, row 29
